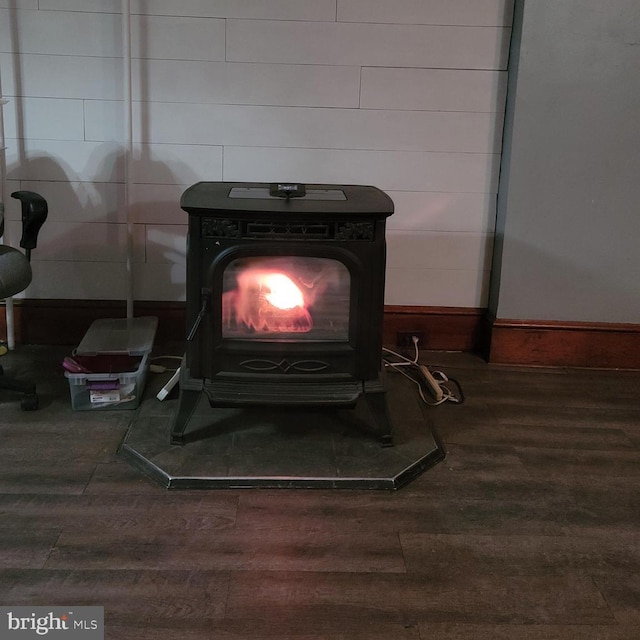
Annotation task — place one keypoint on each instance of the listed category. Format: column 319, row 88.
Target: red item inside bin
column 108, row 363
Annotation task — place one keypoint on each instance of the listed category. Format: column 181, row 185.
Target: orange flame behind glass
column 283, row 293
column 265, row 301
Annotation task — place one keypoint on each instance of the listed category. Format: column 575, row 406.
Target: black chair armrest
column 34, row 213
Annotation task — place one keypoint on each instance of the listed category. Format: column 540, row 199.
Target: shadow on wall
column 82, row 252
column 82, row 249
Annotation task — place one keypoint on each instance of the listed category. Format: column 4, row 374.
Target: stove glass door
column 279, row 298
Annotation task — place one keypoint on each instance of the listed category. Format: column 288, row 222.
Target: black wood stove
column 285, row 286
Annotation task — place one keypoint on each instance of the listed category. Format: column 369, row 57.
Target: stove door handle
column 206, row 294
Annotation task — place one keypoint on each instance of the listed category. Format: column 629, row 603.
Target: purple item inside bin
column 103, row 385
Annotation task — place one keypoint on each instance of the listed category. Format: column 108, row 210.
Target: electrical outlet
column 405, row 338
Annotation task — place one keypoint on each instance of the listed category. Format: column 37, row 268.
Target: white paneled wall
column 407, row 95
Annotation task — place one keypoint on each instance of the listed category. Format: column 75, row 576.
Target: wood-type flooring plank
column 125, row 595
column 448, row 631
column 287, row 626
column 521, row 555
column 230, row 550
column 18, row 476
column 407, row 598
column 442, row 506
column 163, row 514
column 26, row 549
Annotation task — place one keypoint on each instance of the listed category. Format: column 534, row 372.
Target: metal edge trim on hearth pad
column 274, row 482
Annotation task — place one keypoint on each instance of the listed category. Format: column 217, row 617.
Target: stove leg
column 187, row 404
column 377, row 403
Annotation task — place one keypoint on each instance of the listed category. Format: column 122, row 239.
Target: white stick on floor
column 166, row 390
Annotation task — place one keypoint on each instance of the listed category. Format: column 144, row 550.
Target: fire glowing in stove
column 282, row 292
column 266, row 301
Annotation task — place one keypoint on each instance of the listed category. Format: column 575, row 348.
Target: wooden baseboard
column 564, row 344
column 519, row 342
column 64, row 322
column 443, row 328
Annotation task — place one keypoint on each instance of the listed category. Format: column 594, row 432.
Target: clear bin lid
column 132, row 336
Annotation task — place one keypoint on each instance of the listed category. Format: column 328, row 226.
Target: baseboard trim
column 443, row 328
column 500, row 341
column 64, row 322
column 564, row 344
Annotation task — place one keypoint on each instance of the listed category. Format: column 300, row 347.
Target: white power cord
column 435, row 382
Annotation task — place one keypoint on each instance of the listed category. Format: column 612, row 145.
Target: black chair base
column 29, row 401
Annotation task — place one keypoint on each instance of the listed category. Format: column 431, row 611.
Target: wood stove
column 285, row 297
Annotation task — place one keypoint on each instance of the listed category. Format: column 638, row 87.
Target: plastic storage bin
column 115, row 354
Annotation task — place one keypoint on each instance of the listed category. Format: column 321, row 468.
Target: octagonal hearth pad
column 282, row 448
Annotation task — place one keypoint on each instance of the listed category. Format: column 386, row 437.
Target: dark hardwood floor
column 528, row 530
